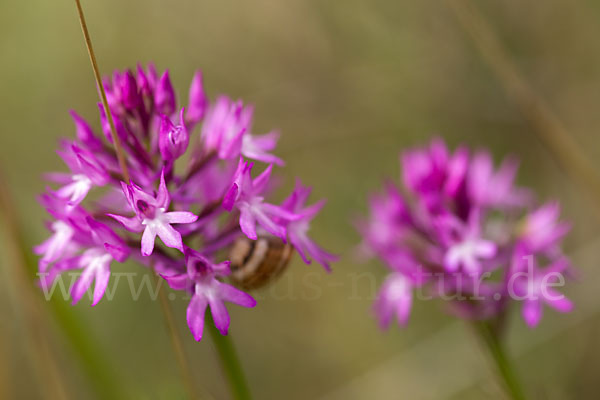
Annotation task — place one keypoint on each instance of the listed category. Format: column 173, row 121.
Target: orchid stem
column 229, row 361
column 176, row 342
column 505, row 369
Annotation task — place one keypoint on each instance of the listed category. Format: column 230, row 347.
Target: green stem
column 229, row 361
column 176, row 343
column 504, row 367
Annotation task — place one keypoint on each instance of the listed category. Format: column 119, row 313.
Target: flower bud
column 121, row 131
column 164, row 95
column 130, row 97
column 143, row 82
column 85, row 134
column 173, row 139
column 198, row 102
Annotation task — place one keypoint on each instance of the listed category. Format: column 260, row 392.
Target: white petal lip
column 96, row 264
column 102, row 277
column 467, row 253
column 160, row 226
column 170, row 236
column 394, row 298
column 54, row 246
column 148, row 238
column 76, row 190
column 248, row 223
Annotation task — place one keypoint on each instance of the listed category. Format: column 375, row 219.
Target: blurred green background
column 349, row 84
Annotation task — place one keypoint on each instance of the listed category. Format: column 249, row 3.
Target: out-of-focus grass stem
column 5, row 367
column 23, row 297
column 98, row 371
column 547, row 126
column 182, row 361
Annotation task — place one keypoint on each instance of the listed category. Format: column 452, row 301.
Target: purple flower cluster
column 203, row 202
column 460, row 230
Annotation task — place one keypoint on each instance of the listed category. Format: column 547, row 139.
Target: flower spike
column 112, row 205
column 464, row 231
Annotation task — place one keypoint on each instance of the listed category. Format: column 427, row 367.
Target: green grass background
column 349, row 84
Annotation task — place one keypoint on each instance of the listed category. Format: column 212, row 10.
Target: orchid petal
column 148, row 241
column 236, row 296
column 101, row 282
column 132, row 224
column 169, row 236
column 219, row 314
column 180, row 217
column 195, row 316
